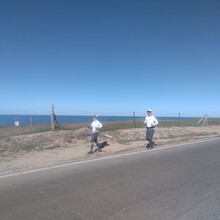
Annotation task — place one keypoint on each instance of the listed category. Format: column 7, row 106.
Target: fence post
column 52, row 118
column 134, row 119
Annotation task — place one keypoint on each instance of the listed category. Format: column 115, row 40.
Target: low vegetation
column 108, row 126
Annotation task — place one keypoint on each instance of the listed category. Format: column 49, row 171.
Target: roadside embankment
column 54, row 147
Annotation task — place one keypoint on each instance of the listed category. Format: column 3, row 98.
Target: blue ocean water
column 27, row 120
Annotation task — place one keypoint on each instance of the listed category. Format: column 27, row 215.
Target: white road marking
column 99, row 159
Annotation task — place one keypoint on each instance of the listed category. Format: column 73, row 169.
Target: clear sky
column 110, row 57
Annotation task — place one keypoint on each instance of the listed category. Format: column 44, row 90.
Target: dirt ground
column 56, row 147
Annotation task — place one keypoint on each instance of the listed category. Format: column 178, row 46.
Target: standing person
column 150, row 122
column 96, row 125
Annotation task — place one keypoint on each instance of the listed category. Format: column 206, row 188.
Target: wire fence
column 65, row 116
column 35, row 121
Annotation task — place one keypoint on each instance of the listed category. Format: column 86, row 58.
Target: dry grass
column 38, row 138
column 51, row 147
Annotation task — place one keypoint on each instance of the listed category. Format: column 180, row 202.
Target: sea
column 31, row 120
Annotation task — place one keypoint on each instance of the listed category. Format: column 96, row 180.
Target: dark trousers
column 94, row 139
column 149, row 136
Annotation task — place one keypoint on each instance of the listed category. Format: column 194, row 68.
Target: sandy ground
column 56, row 147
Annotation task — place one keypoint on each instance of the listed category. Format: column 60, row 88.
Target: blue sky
column 110, row 57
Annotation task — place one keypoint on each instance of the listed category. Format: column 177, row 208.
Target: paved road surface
column 175, row 183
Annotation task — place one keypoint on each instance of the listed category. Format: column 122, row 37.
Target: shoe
column 147, row 145
column 90, row 152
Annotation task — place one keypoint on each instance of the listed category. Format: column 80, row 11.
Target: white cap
column 149, row 110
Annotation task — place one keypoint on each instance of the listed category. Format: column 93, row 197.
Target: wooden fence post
column 52, row 118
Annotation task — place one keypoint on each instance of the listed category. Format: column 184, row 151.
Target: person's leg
column 91, row 150
column 93, row 140
column 147, row 144
column 150, row 137
column 96, row 140
column 97, row 144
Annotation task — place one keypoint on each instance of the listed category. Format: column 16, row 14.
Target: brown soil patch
column 54, row 147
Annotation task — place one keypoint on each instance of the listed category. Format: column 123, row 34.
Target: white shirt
column 96, row 125
column 150, row 121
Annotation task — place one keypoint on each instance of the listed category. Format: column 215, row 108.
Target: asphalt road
column 172, row 183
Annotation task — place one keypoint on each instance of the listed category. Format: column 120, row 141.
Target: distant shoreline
column 26, row 120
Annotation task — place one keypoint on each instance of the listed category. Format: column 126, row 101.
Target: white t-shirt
column 96, row 125
column 150, row 121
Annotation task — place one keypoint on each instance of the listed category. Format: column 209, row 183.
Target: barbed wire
column 69, row 111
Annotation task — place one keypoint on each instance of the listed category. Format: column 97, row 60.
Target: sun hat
column 149, row 110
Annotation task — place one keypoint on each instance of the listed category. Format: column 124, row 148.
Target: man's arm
column 155, row 121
